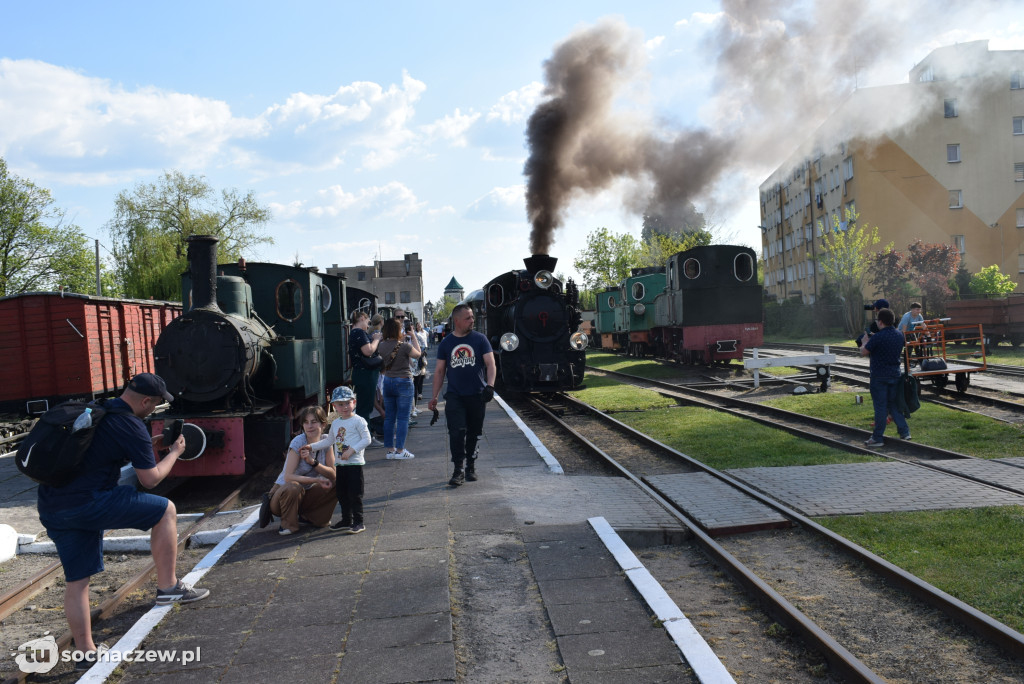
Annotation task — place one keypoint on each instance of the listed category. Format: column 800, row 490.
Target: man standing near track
column 466, row 358
column 885, row 349
column 76, row 515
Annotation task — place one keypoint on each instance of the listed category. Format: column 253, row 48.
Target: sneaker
column 356, row 528
column 391, row 454
column 403, row 455
column 374, row 442
column 873, row 443
column 458, row 477
column 471, row 476
column 906, row 437
column 265, row 510
column 92, row 659
column 283, row 531
column 413, row 422
column 414, row 412
column 181, row 593
column 341, row 525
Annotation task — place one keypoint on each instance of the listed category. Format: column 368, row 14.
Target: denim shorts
column 78, row 532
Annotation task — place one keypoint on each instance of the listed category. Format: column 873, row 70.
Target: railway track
column 855, row 657
column 22, row 594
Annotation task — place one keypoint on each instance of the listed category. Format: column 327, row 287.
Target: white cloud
column 500, row 204
column 515, row 106
column 654, row 43
column 392, row 201
column 451, row 127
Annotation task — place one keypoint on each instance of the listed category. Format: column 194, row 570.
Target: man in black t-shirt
column 466, row 358
column 76, row 515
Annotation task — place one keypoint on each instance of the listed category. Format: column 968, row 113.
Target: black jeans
column 349, row 487
column 465, row 417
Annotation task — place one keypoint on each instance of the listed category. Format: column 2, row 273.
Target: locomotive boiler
column 531, row 319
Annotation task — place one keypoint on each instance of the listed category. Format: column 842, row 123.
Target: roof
column 453, row 284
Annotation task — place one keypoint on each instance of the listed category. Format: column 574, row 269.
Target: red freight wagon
column 1002, row 318
column 57, row 346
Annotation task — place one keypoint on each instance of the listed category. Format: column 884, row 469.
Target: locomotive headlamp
column 578, row 341
column 543, row 279
column 509, row 342
column 639, row 309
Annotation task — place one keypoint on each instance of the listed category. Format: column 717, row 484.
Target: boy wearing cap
column 76, row 515
column 350, row 437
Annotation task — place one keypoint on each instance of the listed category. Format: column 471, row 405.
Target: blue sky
column 399, row 127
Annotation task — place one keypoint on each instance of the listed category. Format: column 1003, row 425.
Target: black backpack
column 52, row 452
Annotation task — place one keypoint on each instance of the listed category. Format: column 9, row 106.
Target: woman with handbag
column 366, row 363
column 399, row 353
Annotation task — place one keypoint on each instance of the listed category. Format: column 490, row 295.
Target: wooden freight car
column 56, row 346
column 1001, row 318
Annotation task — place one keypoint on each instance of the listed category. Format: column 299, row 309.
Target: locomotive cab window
column 743, row 267
column 495, row 295
column 691, row 268
column 638, row 291
column 325, row 298
column 611, row 302
column 288, row 300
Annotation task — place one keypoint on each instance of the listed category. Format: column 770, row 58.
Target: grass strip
column 974, row 554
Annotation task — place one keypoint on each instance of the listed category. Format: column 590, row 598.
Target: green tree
column 845, row 262
column 990, row 280
column 934, row 266
column 153, row 222
column 890, row 271
column 38, row 250
column 656, row 249
column 607, row 259
column 443, row 308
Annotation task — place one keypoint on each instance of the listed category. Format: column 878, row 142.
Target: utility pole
column 99, row 287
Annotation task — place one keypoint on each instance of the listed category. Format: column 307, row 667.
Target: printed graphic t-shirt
column 466, row 372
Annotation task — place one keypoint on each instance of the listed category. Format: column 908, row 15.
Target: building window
column 960, row 243
column 1018, row 125
column 927, row 75
column 405, row 297
column 950, row 108
column 851, row 210
column 848, row 168
column 956, row 199
column 1020, row 263
column 1020, row 218
column 362, row 275
column 1018, row 171
column 820, row 224
column 389, row 297
column 953, row 153
column 1014, row 80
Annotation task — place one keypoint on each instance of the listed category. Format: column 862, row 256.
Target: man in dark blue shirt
column 467, row 359
column 886, row 351
column 76, row 515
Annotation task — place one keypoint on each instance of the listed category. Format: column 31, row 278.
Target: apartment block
column 938, row 159
column 397, row 283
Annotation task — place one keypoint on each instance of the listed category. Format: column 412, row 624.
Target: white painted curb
column 698, row 655
column 131, row 640
column 553, row 465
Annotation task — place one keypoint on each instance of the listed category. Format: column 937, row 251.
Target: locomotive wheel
column 962, row 381
column 940, row 381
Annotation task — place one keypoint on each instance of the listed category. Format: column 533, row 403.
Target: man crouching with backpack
column 76, row 515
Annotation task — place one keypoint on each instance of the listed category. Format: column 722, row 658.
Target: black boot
column 458, row 477
column 471, row 470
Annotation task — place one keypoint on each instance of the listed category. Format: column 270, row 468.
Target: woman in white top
column 305, row 486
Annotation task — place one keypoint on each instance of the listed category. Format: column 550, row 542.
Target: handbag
column 369, row 362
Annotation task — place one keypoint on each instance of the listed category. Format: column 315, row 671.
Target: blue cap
column 150, row 385
column 342, row 393
column 881, row 304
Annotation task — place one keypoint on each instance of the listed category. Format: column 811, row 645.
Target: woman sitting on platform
column 306, row 484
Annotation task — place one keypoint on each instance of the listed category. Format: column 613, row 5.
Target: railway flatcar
column 59, row 346
column 248, row 352
column 532, row 321
column 635, row 315
column 711, row 310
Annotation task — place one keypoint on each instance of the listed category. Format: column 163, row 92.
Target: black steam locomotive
column 531, row 320
column 256, row 342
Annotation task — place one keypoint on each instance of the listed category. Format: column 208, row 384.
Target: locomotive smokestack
column 202, row 269
column 539, row 262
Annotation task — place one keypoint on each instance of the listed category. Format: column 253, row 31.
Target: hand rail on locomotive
column 931, row 342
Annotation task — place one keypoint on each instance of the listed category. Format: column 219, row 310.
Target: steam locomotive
column 704, row 306
column 255, row 344
column 531, row 320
